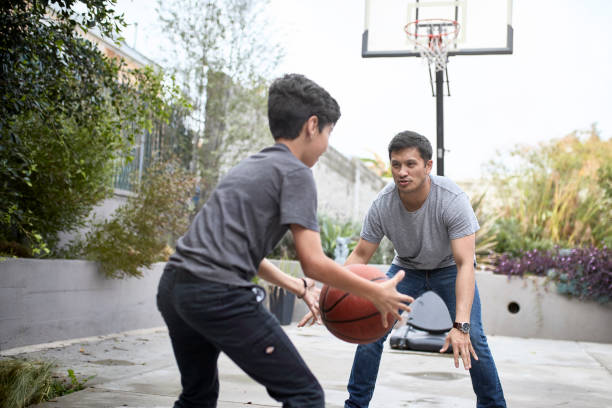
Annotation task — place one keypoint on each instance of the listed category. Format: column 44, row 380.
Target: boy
column 206, row 296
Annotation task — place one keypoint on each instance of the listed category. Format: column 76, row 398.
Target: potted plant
column 282, row 301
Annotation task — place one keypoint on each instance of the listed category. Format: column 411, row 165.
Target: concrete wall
column 345, row 187
column 542, row 313
column 48, row 300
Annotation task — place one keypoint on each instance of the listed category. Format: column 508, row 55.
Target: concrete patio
column 137, row 369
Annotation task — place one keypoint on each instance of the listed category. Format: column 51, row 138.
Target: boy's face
column 318, row 144
column 409, row 170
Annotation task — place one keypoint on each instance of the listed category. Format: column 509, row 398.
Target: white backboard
column 485, row 26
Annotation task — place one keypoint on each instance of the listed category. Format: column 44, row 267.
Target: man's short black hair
column 408, row 139
column 294, row 98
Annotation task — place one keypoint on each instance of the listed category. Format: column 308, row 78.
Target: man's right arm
column 362, row 253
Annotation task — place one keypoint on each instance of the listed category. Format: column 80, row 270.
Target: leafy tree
column 138, row 233
column 236, row 124
column 172, row 139
column 224, row 57
column 64, row 110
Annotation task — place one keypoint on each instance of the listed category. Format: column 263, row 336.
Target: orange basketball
column 352, row 318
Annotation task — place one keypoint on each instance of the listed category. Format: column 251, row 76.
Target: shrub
column 24, row 382
column 384, row 253
column 512, row 240
column 556, row 193
column 137, row 235
column 285, row 249
column 585, row 273
column 331, row 229
column 64, row 115
column 486, row 237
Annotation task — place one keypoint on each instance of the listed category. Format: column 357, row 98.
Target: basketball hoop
column 433, row 37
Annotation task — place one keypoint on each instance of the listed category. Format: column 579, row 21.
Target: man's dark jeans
column 485, row 381
column 205, row 318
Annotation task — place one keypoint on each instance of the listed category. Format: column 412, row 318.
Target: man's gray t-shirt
column 246, row 216
column 421, row 238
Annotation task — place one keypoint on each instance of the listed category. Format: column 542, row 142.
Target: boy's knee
column 318, row 397
column 307, row 396
column 315, row 397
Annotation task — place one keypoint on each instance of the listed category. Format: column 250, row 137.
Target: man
column 206, row 294
column 431, row 224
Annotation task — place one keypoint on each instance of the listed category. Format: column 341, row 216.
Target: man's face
column 409, row 170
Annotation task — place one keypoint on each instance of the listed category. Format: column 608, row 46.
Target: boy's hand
column 389, row 300
column 309, row 319
column 311, row 298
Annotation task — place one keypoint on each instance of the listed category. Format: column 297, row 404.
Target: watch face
column 464, row 327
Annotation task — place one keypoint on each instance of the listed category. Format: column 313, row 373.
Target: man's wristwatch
column 463, row 327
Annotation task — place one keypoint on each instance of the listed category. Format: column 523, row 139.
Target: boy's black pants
column 205, row 318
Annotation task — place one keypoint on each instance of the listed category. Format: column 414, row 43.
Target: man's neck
column 414, row 200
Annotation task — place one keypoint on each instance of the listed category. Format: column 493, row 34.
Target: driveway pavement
column 137, row 369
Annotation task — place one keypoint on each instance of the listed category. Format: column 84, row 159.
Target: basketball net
column 436, row 40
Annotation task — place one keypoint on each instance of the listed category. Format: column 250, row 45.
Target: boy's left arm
column 309, row 294
column 463, row 251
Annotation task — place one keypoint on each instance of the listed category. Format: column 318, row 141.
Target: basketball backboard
column 485, row 26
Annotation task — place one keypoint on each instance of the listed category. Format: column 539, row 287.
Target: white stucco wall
column 345, row 186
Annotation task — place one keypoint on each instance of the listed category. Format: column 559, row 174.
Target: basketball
column 352, row 318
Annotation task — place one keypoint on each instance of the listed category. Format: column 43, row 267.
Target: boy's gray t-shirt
column 421, row 238
column 246, row 216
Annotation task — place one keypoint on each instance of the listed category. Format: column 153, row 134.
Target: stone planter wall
column 531, row 308
column 49, row 300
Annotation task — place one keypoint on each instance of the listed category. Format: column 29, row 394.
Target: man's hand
column 311, row 298
column 462, row 346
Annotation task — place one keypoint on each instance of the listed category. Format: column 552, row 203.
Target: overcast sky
column 558, row 79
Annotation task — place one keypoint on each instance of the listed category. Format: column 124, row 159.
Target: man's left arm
column 463, row 251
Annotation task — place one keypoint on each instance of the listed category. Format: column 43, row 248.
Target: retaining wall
column 49, row 300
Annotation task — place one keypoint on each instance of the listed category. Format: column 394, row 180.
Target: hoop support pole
column 440, row 122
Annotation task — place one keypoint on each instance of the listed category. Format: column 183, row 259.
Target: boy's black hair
column 408, row 139
column 292, row 99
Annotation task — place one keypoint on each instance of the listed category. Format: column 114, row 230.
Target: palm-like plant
column 486, row 238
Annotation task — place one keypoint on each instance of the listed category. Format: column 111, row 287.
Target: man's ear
column 429, row 165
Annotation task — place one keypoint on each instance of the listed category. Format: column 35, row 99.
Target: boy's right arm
column 321, row 268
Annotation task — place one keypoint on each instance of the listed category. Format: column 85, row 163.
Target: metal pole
column 440, row 121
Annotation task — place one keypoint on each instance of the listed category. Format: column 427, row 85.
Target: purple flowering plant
column 585, row 273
